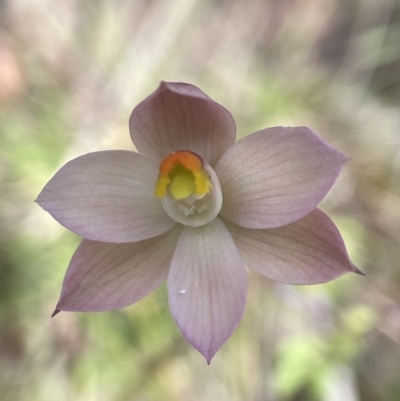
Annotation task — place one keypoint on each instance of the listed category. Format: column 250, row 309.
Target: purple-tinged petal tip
column 56, row 312
column 358, row 271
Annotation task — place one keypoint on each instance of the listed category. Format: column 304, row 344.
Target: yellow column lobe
column 182, row 175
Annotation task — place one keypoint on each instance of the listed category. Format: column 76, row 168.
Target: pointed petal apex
column 358, row 271
column 56, row 312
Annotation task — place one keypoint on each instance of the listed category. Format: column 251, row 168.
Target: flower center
column 189, row 189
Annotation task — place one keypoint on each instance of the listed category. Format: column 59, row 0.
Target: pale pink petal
column 180, row 116
column 107, row 196
column 276, row 176
column 103, row 276
column 308, row 251
column 207, row 286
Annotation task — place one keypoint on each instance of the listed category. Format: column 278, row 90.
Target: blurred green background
column 70, row 74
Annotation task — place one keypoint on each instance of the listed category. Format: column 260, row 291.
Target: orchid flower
column 194, row 207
